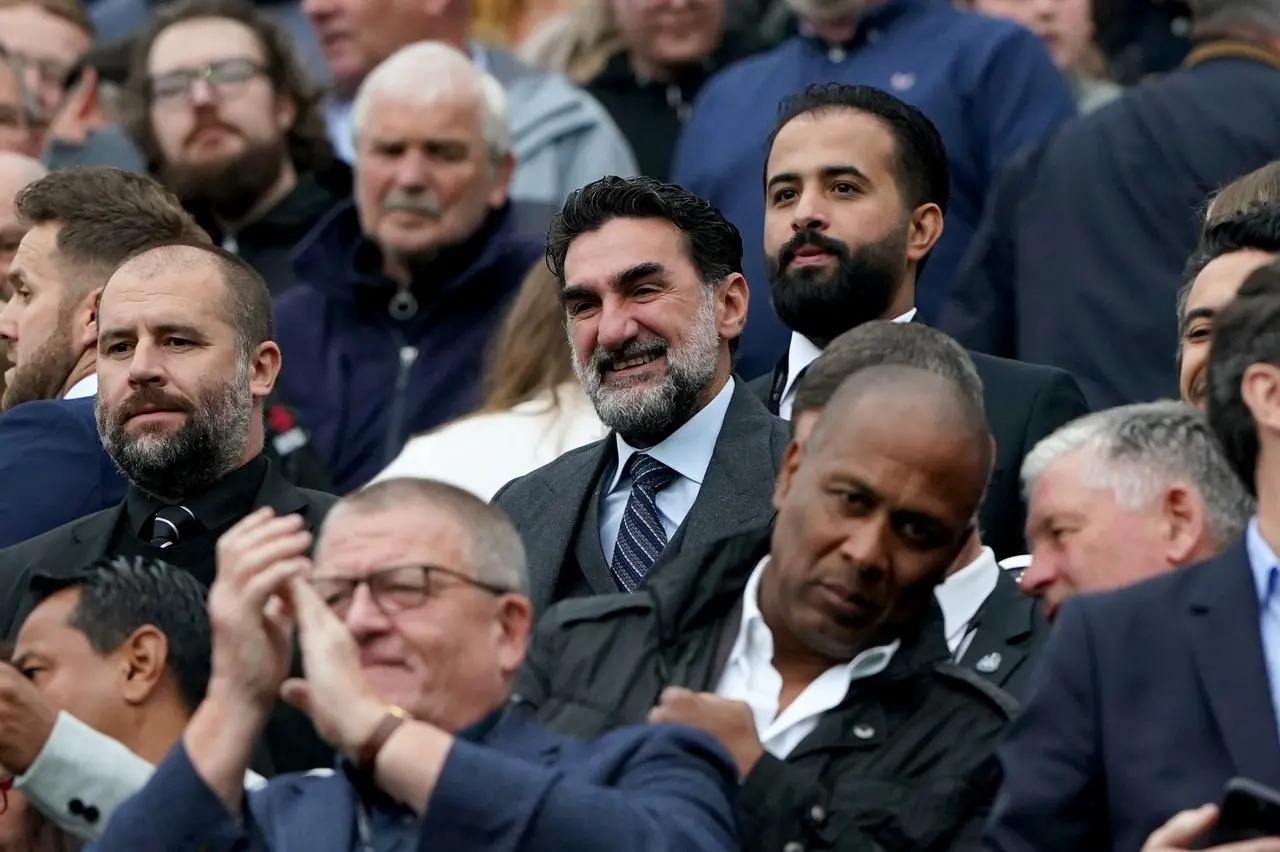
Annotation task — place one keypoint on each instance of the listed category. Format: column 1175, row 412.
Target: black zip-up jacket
column 906, row 762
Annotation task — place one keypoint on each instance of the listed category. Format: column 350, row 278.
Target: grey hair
column 491, row 545
column 1138, row 451
column 428, row 72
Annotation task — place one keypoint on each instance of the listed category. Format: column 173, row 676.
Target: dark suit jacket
column 71, row 547
column 1010, row 631
column 53, row 468
column 1024, row 403
column 525, row 789
column 1146, row 700
column 548, row 506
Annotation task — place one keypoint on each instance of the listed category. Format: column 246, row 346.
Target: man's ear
column 144, row 657
column 264, row 370
column 924, row 231
column 84, row 330
column 790, row 464
column 1184, row 521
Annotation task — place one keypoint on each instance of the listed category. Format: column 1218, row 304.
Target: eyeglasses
column 395, row 590
column 228, row 78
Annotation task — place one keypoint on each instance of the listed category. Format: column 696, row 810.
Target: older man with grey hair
column 407, row 283
column 412, row 621
column 1124, row 494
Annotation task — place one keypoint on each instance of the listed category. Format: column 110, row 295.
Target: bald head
column 906, row 395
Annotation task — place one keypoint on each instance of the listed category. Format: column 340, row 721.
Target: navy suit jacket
column 53, row 468
column 638, row 789
column 1146, row 700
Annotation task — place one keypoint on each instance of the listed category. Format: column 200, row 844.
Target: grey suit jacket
column 82, row 775
column 548, row 505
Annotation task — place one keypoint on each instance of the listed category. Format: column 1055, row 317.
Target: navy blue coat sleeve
column 1052, row 797
column 53, row 468
column 674, row 792
column 176, row 811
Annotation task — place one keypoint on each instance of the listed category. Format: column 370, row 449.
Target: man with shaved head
column 815, row 651
column 185, row 361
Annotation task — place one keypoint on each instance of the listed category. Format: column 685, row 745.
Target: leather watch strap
column 367, row 758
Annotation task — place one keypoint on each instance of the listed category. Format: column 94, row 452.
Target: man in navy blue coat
column 412, row 623
column 1148, row 699
column 82, row 223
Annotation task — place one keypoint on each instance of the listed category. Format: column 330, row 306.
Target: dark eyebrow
column 625, row 278
column 1197, row 313
column 826, row 172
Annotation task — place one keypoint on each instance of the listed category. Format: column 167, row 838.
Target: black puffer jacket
column 906, row 762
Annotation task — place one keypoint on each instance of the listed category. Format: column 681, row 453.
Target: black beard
column 228, row 189
column 822, row 305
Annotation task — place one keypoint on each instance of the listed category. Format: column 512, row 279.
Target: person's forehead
column 38, row 250
column 359, row 542
column 192, row 44
column 832, row 138
column 47, row 623
column 1223, row 276
column 390, row 116
column 28, row 29
column 186, row 292
column 597, row 258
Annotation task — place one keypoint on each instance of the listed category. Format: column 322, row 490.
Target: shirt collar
column 222, row 504
column 964, row 592
column 753, row 628
column 86, row 387
column 804, row 352
column 687, row 450
column 1263, row 561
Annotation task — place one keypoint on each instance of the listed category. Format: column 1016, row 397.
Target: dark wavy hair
column 308, row 140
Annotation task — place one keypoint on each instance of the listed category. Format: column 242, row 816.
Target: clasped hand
column 261, row 595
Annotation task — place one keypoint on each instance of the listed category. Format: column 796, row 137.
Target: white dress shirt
column 800, row 355
column 687, row 451
column 962, row 595
column 750, row 677
column 88, row 386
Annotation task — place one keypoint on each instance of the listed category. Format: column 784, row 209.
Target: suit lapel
column 552, row 540
column 280, row 494
column 737, row 491
column 1226, row 641
column 92, row 535
column 1004, row 627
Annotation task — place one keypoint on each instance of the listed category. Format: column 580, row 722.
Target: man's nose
column 364, row 618
column 616, row 326
column 9, row 321
column 864, row 543
column 411, row 172
column 202, row 93
column 1040, row 574
column 809, row 214
column 146, row 365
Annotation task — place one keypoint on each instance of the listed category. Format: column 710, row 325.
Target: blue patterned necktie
column 641, row 537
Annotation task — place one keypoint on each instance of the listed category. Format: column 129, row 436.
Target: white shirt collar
column 802, row 352
column 753, row 629
column 964, row 592
column 88, row 386
column 687, row 450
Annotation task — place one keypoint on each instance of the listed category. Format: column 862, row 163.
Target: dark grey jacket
column 907, row 762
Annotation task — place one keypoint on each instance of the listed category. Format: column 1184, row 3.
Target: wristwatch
column 367, row 757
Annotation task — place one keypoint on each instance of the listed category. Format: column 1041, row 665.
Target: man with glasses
column 231, row 126
column 408, row 672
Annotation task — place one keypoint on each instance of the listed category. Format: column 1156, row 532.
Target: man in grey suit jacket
column 103, row 678
column 651, row 282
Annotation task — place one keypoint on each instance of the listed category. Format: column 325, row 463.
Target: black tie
column 172, row 524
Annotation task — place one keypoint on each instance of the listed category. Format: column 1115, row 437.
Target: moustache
column 422, row 205
column 809, row 237
column 609, row 359
column 150, row 398
column 212, row 124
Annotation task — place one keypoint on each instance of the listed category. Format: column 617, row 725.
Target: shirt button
column 873, row 36
column 837, row 54
column 794, row 846
column 818, row 814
